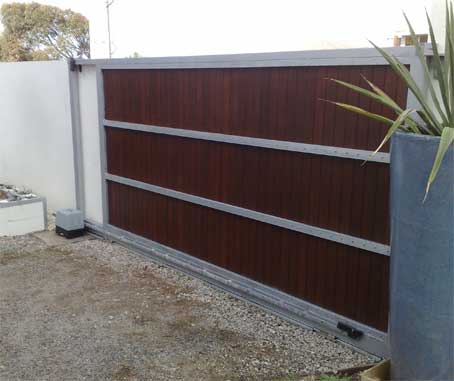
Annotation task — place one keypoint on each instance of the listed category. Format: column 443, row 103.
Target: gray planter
column 421, row 327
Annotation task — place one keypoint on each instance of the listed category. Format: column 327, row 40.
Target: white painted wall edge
column 91, row 166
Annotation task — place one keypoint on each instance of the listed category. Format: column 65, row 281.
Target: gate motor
column 69, row 223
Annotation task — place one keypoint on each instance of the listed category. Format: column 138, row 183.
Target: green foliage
column 41, row 32
column 436, row 113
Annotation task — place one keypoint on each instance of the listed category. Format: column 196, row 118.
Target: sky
column 193, row 27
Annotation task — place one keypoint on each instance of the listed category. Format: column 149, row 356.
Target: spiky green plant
column 437, row 117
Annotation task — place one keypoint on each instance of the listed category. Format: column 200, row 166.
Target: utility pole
column 108, row 4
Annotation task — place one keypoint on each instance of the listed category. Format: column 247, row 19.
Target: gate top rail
column 330, row 57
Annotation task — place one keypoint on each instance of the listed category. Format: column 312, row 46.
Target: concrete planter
column 421, row 327
column 23, row 216
column 379, row 372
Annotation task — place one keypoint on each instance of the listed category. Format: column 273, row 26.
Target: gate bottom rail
column 279, row 303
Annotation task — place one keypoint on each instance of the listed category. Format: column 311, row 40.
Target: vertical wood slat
column 291, row 185
column 257, row 102
column 274, row 103
column 259, row 251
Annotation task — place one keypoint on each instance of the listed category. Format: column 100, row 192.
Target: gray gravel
column 94, row 310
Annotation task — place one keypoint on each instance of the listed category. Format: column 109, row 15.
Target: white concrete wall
column 91, row 162
column 36, row 149
column 438, row 18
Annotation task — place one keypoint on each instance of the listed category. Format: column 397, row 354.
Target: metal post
column 73, row 75
column 108, row 4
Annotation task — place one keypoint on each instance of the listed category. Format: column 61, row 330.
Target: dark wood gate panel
column 284, row 184
column 270, row 103
column 251, row 170
column 349, row 281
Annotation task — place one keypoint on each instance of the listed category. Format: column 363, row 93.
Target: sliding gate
column 236, row 169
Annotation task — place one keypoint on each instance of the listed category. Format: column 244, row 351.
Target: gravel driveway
column 94, row 310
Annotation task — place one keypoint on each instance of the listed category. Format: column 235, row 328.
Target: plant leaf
column 426, row 108
column 380, row 96
column 442, row 75
column 449, row 53
column 391, row 103
column 360, row 90
column 363, row 112
column 447, row 137
column 429, row 80
column 397, row 123
column 403, row 72
column 385, row 96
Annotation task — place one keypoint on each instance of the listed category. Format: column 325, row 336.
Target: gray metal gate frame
column 288, row 307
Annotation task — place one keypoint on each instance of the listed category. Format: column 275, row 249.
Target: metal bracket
column 281, row 304
column 74, row 66
column 351, row 332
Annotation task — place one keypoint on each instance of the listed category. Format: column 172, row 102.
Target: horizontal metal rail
column 330, row 235
column 337, row 57
column 315, row 149
column 284, row 305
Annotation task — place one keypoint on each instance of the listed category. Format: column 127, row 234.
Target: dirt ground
column 92, row 310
